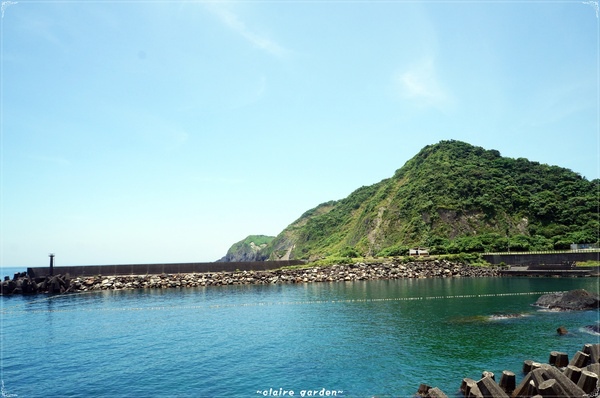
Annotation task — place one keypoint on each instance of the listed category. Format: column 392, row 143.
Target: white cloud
column 233, row 22
column 419, row 84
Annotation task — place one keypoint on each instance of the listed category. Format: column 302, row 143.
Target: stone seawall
column 160, row 268
column 523, row 259
column 334, row 273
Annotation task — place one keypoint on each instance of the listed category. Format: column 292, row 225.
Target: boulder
column 574, row 300
column 562, row 330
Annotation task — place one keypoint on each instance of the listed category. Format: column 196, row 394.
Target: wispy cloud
column 419, row 83
column 233, row 22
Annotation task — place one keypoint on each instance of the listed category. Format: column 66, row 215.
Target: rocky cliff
column 248, row 249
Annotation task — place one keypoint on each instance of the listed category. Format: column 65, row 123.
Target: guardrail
column 543, row 252
column 542, row 257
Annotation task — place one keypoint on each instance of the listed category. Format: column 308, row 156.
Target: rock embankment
column 557, row 378
column 21, row 283
column 574, row 300
column 334, row 273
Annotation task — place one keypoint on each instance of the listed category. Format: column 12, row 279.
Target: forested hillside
column 452, row 197
column 249, row 249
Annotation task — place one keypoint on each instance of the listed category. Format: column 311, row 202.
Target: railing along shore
column 541, row 252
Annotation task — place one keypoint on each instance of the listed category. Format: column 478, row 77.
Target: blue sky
column 151, row 131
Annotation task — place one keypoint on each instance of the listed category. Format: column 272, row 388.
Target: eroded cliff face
column 249, row 249
column 459, row 223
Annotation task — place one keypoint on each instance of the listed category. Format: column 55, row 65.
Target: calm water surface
column 355, row 339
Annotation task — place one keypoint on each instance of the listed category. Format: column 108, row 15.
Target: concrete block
column 588, row 381
column 508, row 381
column 466, row 385
column 580, row 359
column 571, row 389
column 551, row 388
column 593, row 350
column 573, row 373
column 436, row 393
column 558, row 359
column 594, row 368
column 490, row 389
column 521, row 389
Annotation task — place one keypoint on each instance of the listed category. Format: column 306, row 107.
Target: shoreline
column 335, row 273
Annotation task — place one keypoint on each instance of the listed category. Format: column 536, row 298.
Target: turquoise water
column 355, row 339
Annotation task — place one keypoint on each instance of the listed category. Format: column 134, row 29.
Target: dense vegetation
column 451, row 197
column 248, row 249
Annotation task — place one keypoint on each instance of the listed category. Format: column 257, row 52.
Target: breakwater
column 25, row 284
column 557, row 378
column 160, row 268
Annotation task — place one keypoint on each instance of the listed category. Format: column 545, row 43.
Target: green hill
column 453, row 198
column 248, row 249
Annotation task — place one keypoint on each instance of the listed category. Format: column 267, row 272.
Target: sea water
column 347, row 339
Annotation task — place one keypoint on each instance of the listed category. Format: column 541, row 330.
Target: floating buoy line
column 22, row 308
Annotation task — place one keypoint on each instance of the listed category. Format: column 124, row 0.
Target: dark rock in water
column 574, row 300
column 562, row 330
